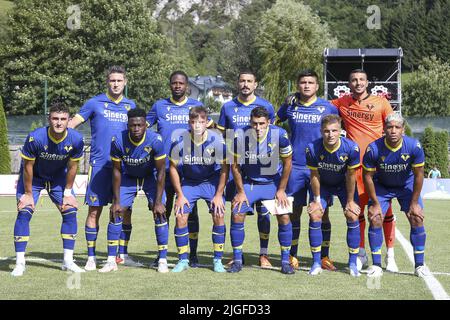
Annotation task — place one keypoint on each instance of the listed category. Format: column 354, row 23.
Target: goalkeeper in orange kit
column 363, row 115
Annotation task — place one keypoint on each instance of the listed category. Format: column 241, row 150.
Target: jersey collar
column 117, row 101
column 248, row 102
column 179, row 103
column 393, row 149
column 307, row 104
column 205, row 136
column 333, row 150
column 137, row 144
column 55, row 140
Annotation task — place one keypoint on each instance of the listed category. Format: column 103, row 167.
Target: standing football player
column 303, row 111
column 363, row 116
column 235, row 115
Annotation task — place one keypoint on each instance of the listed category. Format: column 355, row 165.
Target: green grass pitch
column 45, row 280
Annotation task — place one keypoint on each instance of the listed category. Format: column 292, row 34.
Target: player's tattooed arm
column 350, row 184
column 414, row 208
column 175, row 179
column 117, row 178
column 374, row 212
column 69, row 199
column 315, row 205
column 240, row 196
column 217, row 203
column 281, row 196
column 26, row 200
column 158, row 207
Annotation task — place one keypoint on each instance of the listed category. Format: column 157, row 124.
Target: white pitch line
column 432, row 283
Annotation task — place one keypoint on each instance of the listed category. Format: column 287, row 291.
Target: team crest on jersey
column 210, row 151
column 307, row 150
column 322, row 157
column 296, row 108
column 127, row 150
column 272, row 145
column 285, row 135
column 382, row 158
column 45, row 147
column 68, row 148
column 419, row 145
column 235, row 109
column 343, row 157
column 368, row 149
column 106, row 105
column 356, row 148
column 159, row 138
column 405, row 156
column 127, row 107
column 168, row 108
column 370, row 107
column 31, row 139
column 321, row 109
column 147, row 149
column 93, row 198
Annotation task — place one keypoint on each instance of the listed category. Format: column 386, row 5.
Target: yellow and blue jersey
column 304, row 122
column 259, row 159
column 394, row 166
column 200, row 161
column 332, row 164
column 172, row 118
column 50, row 155
column 107, row 118
column 235, row 114
column 137, row 158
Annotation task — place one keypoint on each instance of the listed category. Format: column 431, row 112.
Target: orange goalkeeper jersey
column 363, row 120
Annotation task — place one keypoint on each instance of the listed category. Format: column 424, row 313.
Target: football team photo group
column 274, row 163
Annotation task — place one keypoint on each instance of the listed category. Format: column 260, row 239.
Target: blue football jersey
column 260, row 159
column 304, row 123
column 199, row 161
column 107, row 118
column 50, row 155
column 394, row 166
column 138, row 159
column 172, row 118
column 235, row 114
column 332, row 165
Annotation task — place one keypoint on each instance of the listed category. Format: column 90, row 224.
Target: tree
column 72, row 46
column 290, row 38
column 5, row 157
column 428, row 142
column 428, row 91
column 442, row 152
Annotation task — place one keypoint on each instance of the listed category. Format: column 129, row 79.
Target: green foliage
column 36, row 124
column 74, row 60
column 428, row 142
column 5, row 157
column 442, row 153
column 408, row 130
column 435, row 146
column 427, row 92
column 288, row 43
column 212, row 105
column 5, row 7
column 421, row 28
